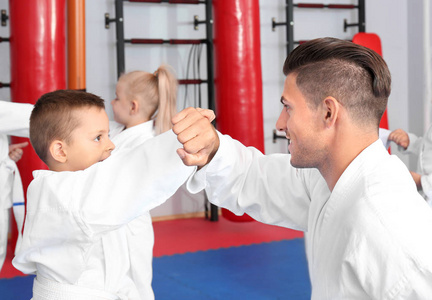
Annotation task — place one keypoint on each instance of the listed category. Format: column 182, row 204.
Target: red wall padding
column 38, row 60
column 238, row 80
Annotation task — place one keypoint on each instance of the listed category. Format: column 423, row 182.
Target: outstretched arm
column 198, row 136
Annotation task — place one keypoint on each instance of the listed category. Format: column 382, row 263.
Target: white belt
column 45, row 289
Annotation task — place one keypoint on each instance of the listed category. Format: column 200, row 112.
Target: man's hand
column 400, row 137
column 198, row 136
column 16, row 151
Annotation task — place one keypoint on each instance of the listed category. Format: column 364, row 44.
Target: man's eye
column 98, row 138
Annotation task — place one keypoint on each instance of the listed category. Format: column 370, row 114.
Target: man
column 368, row 228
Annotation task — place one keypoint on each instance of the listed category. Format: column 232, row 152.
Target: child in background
column 14, row 120
column 422, row 146
column 143, row 107
column 87, row 193
column 145, row 99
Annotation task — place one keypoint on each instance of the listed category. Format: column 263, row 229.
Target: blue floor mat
column 276, row 270
column 17, row 288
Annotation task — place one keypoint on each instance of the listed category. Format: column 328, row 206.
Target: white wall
column 397, row 22
column 389, row 20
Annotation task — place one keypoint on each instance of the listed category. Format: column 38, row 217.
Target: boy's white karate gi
column 422, row 146
column 78, row 259
column 14, row 120
column 139, row 232
column 368, row 239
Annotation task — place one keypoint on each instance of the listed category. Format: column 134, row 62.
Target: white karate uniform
column 422, row 146
column 139, row 232
column 66, row 238
column 368, row 239
column 384, row 135
column 14, row 120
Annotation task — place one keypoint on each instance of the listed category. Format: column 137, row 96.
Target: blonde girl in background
column 143, row 107
column 143, row 97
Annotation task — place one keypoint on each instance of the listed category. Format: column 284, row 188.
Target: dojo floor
column 199, row 259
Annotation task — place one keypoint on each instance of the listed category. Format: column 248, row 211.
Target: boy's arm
column 127, row 184
column 15, row 118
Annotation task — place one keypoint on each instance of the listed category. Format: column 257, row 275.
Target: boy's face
column 89, row 141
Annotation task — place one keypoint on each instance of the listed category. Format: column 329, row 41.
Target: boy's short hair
column 52, row 117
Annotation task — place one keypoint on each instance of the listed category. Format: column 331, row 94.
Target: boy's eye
column 98, row 138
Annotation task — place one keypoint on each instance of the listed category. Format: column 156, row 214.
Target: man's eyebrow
column 283, row 99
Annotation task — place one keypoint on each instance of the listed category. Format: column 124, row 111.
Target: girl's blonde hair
column 156, row 92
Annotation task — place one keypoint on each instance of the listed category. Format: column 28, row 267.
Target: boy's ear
column 330, row 111
column 134, row 107
column 58, row 151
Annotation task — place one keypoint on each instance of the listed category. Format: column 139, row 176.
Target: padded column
column 238, row 79
column 38, row 61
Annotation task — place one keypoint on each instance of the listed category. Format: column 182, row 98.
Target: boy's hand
column 198, row 136
column 16, row 151
column 400, row 137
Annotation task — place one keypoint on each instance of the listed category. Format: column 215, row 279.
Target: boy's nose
column 111, row 146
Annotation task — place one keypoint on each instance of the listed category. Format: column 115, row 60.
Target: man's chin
column 299, row 165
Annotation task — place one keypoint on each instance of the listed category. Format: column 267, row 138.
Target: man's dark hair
column 356, row 76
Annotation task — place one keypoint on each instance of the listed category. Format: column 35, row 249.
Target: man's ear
column 134, row 107
column 330, row 111
column 58, row 151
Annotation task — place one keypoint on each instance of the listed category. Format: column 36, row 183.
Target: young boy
column 86, row 194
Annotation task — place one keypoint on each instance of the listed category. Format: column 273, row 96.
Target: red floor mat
column 190, row 235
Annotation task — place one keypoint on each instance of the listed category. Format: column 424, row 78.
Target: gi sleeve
column 243, row 180
column 130, row 182
column 15, row 118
